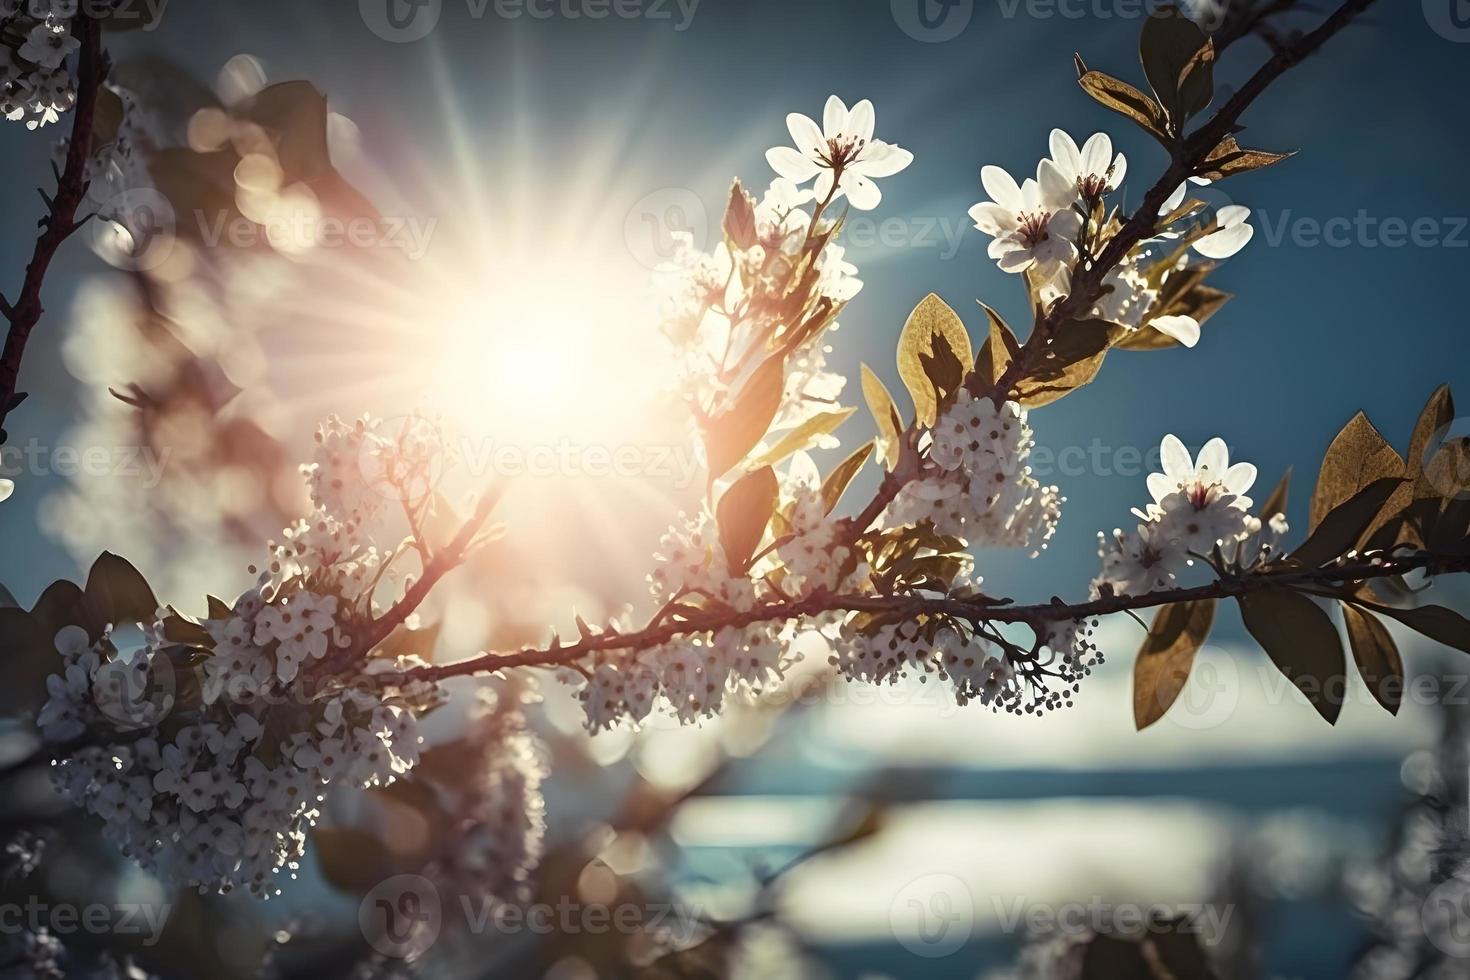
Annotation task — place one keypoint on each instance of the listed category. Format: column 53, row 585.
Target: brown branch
column 60, row 222
column 448, row 559
column 1086, row 287
column 970, row 610
column 1087, row 283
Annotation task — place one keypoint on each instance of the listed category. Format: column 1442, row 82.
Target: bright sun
column 533, row 357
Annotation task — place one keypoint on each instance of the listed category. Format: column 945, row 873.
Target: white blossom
column 841, row 154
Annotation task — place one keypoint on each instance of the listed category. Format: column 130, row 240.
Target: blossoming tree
column 206, row 755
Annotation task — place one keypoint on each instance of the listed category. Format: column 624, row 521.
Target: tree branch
column 1087, row 283
column 972, row 610
column 60, row 221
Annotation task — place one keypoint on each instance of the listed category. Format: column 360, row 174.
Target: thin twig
column 60, row 222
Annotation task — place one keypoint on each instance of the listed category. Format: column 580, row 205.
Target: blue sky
column 1316, row 332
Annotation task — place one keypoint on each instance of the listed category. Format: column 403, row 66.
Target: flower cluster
column 976, row 667
column 207, row 752
column 689, row 677
column 979, row 487
column 1044, row 226
column 35, row 40
column 1199, row 505
column 502, row 829
column 217, row 797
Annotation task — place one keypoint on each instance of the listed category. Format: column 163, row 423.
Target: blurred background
column 526, row 166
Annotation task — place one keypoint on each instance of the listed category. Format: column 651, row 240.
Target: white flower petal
column 804, row 133
column 1160, row 486
column 1214, row 457
column 860, row 121
column 1184, row 329
column 1057, row 191
column 861, row 191
column 790, row 164
column 7, row 487
column 1240, row 478
column 1064, row 152
column 993, row 219
column 1120, row 168
column 1176, row 459
column 1097, row 154
column 1017, row 260
column 834, row 116
column 1175, row 199
column 823, row 186
column 882, row 159
column 1225, row 243
column 1002, row 188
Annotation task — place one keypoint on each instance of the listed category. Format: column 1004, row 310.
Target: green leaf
column 885, row 415
column 730, row 436
column 1345, row 525
column 1436, row 622
column 1357, row 456
column 920, row 340
column 836, row 482
column 1276, row 503
column 804, row 435
column 1376, row 655
column 116, row 592
column 1302, row 642
column 1178, row 60
column 1122, row 98
column 743, row 512
column 739, row 223
column 1167, row 655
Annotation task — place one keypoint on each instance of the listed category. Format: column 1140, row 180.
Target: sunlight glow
column 535, row 357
